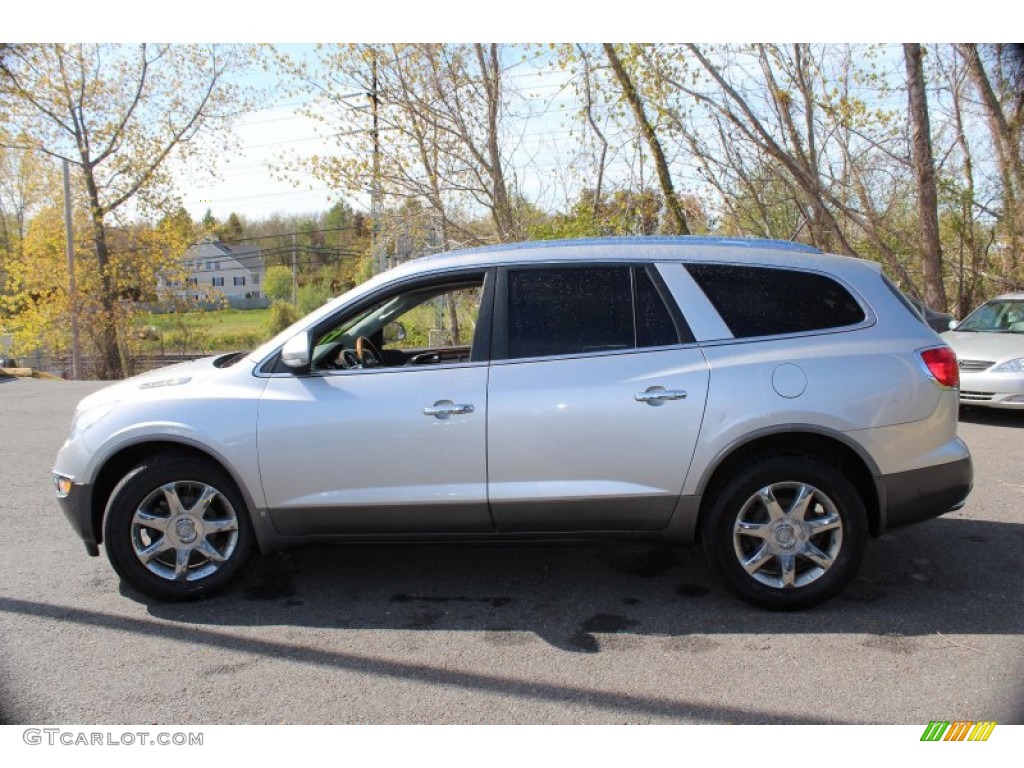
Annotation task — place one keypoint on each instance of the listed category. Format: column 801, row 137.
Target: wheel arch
column 119, row 463
column 826, row 446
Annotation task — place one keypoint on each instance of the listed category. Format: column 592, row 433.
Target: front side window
column 767, row 301
column 422, row 325
column 579, row 310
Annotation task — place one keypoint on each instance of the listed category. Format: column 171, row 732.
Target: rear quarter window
column 767, row 301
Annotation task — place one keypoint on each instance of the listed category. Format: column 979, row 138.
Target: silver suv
column 775, row 404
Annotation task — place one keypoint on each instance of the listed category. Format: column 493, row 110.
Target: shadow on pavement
column 946, row 577
column 993, row 417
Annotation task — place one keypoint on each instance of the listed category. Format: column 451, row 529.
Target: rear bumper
column 76, row 505
column 924, row 493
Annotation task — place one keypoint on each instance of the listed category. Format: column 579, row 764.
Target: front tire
column 176, row 528
column 786, row 533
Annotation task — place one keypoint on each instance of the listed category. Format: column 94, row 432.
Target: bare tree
column 787, row 146
column 677, row 218
column 972, row 241
column 924, row 172
column 443, row 138
column 774, row 125
column 1002, row 100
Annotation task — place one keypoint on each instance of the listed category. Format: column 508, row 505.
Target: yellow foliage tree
column 36, row 299
column 120, row 114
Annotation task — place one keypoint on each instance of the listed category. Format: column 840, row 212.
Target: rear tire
column 177, row 528
column 786, row 533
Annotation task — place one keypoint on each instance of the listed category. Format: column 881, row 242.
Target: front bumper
column 992, row 390
column 76, row 504
column 921, row 494
column 992, row 399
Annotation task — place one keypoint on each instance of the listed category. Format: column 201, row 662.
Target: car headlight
column 1010, row 366
column 85, row 420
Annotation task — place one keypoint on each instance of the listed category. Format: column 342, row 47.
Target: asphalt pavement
column 594, row 633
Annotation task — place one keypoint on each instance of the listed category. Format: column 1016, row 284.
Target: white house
column 213, row 267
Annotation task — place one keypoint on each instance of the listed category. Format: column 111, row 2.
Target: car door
column 394, row 448
column 595, row 399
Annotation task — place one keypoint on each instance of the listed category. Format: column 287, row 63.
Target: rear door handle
column 443, row 409
column 658, row 395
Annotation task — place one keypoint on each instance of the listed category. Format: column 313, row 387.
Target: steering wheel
column 368, row 355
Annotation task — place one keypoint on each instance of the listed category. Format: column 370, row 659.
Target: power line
column 244, row 259
column 284, row 234
column 269, row 194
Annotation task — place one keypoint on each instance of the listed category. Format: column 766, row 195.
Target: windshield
column 997, row 316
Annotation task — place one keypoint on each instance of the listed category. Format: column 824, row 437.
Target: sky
column 247, row 184
column 543, row 126
column 276, row 134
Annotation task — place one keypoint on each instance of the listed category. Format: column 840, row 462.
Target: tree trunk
column 588, row 109
column 966, row 286
column 490, row 71
column 1006, row 136
column 677, row 219
column 108, row 362
column 924, row 173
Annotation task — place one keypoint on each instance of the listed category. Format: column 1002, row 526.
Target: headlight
column 63, row 484
column 1010, row 366
column 85, row 420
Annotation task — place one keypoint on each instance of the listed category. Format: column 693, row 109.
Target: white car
column 776, row 404
column 989, row 346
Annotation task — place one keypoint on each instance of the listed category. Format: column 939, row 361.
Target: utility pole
column 375, row 194
column 76, row 354
column 295, row 276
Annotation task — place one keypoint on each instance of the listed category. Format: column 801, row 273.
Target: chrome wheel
column 184, row 531
column 787, row 535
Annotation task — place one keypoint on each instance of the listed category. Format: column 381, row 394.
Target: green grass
column 221, row 321
column 224, row 329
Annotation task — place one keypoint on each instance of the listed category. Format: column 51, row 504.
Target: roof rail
column 708, row 240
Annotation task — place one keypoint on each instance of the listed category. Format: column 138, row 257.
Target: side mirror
column 953, row 324
column 295, row 352
column 394, row 332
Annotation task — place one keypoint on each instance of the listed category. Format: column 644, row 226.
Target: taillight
column 941, row 363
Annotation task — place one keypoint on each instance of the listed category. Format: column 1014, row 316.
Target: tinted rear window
column 762, row 301
column 654, row 326
column 575, row 310
column 566, row 311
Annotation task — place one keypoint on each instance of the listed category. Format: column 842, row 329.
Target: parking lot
column 932, row 628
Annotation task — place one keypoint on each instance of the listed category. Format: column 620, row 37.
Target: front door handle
column 658, row 395
column 443, row 409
